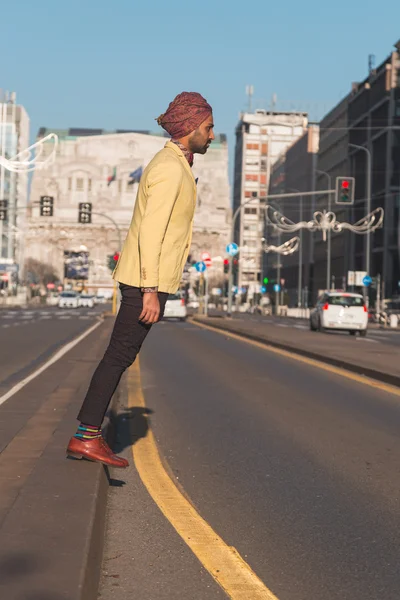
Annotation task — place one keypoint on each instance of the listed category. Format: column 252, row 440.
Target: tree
column 40, row 273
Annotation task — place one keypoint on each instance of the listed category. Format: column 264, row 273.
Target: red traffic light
column 116, row 256
column 226, row 261
column 345, row 184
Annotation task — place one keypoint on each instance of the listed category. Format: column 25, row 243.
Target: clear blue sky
column 118, row 64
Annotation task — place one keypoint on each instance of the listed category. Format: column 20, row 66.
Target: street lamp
column 329, row 243
column 230, row 276
column 289, row 247
column 300, row 272
column 368, row 190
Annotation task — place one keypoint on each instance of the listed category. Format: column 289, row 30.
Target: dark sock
column 88, row 432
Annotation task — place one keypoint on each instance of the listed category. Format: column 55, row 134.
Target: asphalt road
column 295, row 467
column 29, row 336
column 374, row 335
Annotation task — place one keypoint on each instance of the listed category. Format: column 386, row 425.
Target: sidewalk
column 52, row 510
column 380, row 362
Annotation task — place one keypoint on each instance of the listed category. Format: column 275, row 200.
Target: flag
column 112, row 177
column 135, row 175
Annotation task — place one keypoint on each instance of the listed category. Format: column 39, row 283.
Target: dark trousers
column 126, row 340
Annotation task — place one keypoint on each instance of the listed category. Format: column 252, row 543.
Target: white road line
column 281, row 325
column 84, row 317
column 65, row 317
column 44, row 317
column 4, row 326
column 18, row 386
column 300, row 326
column 8, row 316
column 367, row 340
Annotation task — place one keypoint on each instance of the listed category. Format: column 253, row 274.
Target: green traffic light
column 266, row 280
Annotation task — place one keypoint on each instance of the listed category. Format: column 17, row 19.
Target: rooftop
column 74, row 133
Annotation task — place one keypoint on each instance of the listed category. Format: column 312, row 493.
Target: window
column 254, row 194
column 346, row 300
column 250, row 211
column 247, row 194
column 69, row 184
column 264, row 149
column 250, row 243
column 251, row 227
column 263, row 179
column 251, row 177
column 89, row 185
column 252, row 146
column 79, row 184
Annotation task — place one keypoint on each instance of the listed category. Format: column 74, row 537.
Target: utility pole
column 249, row 93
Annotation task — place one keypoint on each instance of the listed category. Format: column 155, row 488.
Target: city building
column 94, row 167
column 261, row 137
column 374, row 127
column 14, row 137
column 360, row 138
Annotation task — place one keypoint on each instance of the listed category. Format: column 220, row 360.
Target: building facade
column 94, row 167
column 374, row 124
column 14, row 137
column 364, row 125
column 261, row 137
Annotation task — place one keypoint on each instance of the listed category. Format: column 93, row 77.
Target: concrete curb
column 353, row 367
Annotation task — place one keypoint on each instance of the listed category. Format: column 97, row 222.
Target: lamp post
column 329, row 247
column 289, row 247
column 368, row 190
column 230, row 276
column 300, row 272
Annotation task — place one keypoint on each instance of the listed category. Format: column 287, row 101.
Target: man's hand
column 151, row 308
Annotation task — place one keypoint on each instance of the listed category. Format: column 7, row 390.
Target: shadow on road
column 126, row 428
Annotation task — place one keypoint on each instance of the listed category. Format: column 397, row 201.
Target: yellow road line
column 341, row 371
column 223, row 562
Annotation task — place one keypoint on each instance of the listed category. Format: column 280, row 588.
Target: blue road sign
column 235, row 289
column 232, row 249
column 201, row 266
column 263, row 289
column 277, row 287
column 367, row 280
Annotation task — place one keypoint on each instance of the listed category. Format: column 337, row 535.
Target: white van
column 340, row 311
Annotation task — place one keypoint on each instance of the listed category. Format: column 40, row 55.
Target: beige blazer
column 160, row 233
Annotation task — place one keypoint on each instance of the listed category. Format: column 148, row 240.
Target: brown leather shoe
column 95, row 450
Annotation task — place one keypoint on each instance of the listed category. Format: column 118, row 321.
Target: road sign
column 232, row 249
column 367, row 280
column 277, row 287
column 201, row 266
column 263, row 289
column 205, row 256
column 235, row 289
column 359, row 276
column 207, row 261
column 350, row 277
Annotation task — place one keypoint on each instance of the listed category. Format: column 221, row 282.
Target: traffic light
column 3, row 210
column 235, row 265
column 46, row 204
column 226, row 265
column 345, row 190
column 112, row 260
column 85, row 212
column 265, row 281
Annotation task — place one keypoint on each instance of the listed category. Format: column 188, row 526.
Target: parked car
column 68, row 300
column 340, row 311
column 86, row 301
column 175, row 308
